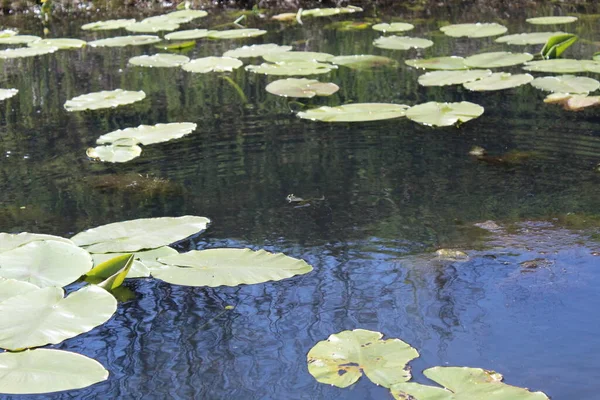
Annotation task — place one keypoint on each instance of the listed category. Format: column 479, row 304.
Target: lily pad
column 45, row 263
column 306, row 88
column 477, row 30
column 551, row 20
column 444, row 78
column 401, row 43
column 256, row 50
column 139, row 234
column 236, row 33
column 63, row 43
column 8, row 93
column 103, row 99
column 213, row 64
column 285, row 17
column 186, row 14
column 394, row 27
column 444, row 114
column 8, row 32
column 190, row 34
column 355, row 112
column 344, row 357
column 12, row 287
column 177, row 46
column 566, row 84
column 160, row 60
column 363, row 61
column 441, row 63
column 43, row 316
column 114, row 153
column 108, row 25
column 298, row 56
column 26, row 52
column 463, row 383
column 9, row 241
column 497, row 59
column 122, row 41
column 291, row 68
column 499, row 81
column 556, row 45
column 228, row 267
column 152, row 27
column 143, row 260
column 149, row 134
column 592, row 66
column 573, row 102
column 19, row 39
column 564, row 65
column 328, row 12
column 528, row 38
column 47, row 371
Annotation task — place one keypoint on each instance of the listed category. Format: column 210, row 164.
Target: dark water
column 394, row 192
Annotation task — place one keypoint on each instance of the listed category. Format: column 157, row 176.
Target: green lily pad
column 394, row 27
column 46, row 371
column 343, row 358
column 143, row 260
column 565, row 66
column 444, row 114
column 297, row 56
column 190, row 34
column 177, row 46
column 528, row 38
column 355, row 112
column 19, row 39
column 256, row 50
column 8, row 32
column 108, row 25
column 477, row 30
column 120, row 265
column 26, row 52
column 9, row 241
column 45, row 263
column 551, row 20
column 566, row 84
column 61, row 44
column 152, row 27
column 306, row 88
column 114, row 153
column 236, row 33
column 139, row 234
column 122, row 41
column 186, row 14
column 328, row 12
column 556, row 45
column 8, row 93
column 160, row 60
column 213, row 64
column 363, row 61
column 12, row 287
column 499, row 81
column 291, row 68
column 441, row 63
column 228, row 267
column 463, row 383
column 43, row 316
column 401, row 43
column 497, row 59
column 149, row 134
column 592, row 66
column 444, row 78
column 573, row 102
column 103, row 99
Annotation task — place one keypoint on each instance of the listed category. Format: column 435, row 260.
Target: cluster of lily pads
column 35, row 269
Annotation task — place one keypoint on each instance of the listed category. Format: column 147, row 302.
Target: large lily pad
column 8, row 93
column 444, row 114
column 528, row 38
column 153, row 27
column 463, row 383
column 499, row 81
column 298, row 56
column 103, row 99
column 291, row 68
column 43, row 316
column 551, row 20
column 59, row 43
column 19, row 39
column 115, row 153
column 190, row 34
column 149, row 134
column 47, row 371
column 443, row 78
column 213, row 64
column 573, row 102
column 344, row 357
column 27, row 52
column 306, row 88
column 565, row 66
column 143, row 260
column 566, row 84
column 160, row 60
column 12, row 287
column 139, row 234
column 363, row 61
column 256, row 50
column 497, row 59
column 228, row 267
column 355, row 112
column 122, row 41
column 328, row 12
column 236, row 33
column 108, row 25
column 401, row 43
column 9, row 241
column 393, row 27
column 440, row 63
column 45, row 263
column 477, row 30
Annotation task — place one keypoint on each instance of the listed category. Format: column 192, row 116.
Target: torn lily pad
column 108, row 25
column 499, row 81
column 477, row 30
column 566, row 84
column 160, row 60
column 564, row 65
column 213, row 64
column 551, row 20
column 236, row 33
column 305, row 88
column 444, row 114
column 355, row 112
column 444, row 78
column 59, row 43
column 363, row 61
column 440, row 63
column 103, row 99
column 117, row 152
column 256, row 50
column 8, row 93
column 27, row 52
column 291, row 68
column 497, row 59
column 190, row 34
column 297, row 56
column 122, row 41
column 401, row 43
column 19, row 39
column 149, row 134
column 393, row 27
column 343, row 358
column 523, row 39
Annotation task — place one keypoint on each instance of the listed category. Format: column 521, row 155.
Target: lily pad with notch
column 150, row 134
column 444, row 78
column 497, row 59
column 499, row 81
column 304, row 88
column 563, row 65
column 212, row 64
column 358, row 112
column 566, row 84
column 104, row 99
column 19, row 39
column 122, row 41
column 143, row 262
column 23, row 52
column 12, row 287
column 401, row 43
column 444, row 114
column 153, row 27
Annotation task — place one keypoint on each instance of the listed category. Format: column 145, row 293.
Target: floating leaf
column 441, row 63
column 65, row 43
column 327, row 12
column 499, row 81
column 103, row 99
column 291, row 68
column 47, row 371
column 26, row 52
column 355, row 112
column 307, row 88
column 160, row 60
column 394, row 27
column 19, row 39
column 284, row 17
column 43, row 316
column 443, row 78
column 176, row 46
column 363, row 61
column 122, row 41
column 551, row 20
column 528, row 38
column 236, row 33
column 152, row 27
column 298, row 56
column 477, row 30
column 556, row 45
column 114, row 153
column 143, row 260
column 344, row 357
column 8, row 93
column 444, row 114
column 566, row 84
column 573, row 102
column 228, row 267
column 12, row 287
column 139, row 234
column 116, row 279
column 9, row 241
column 346, row 26
column 256, row 50
column 213, row 64
column 190, row 34
column 8, row 32
column 108, row 25
column 557, row 66
column 185, row 14
column 463, row 383
column 45, row 263
column 401, row 43
column 149, row 134
column 497, row 59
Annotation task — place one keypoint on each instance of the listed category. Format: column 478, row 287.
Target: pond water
column 393, row 192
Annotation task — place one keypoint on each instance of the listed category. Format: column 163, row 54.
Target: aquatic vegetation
column 441, row 63
column 497, row 59
column 160, row 60
column 401, row 43
column 59, row 43
column 122, row 41
column 27, row 52
column 573, row 102
column 152, row 26
column 566, row 84
column 355, row 112
column 444, row 114
column 363, row 61
column 110, row 24
column 393, row 27
column 297, row 56
column 551, row 20
column 236, row 33
column 103, row 99
column 298, row 68
column 142, row 260
column 556, row 45
column 190, row 34
column 115, row 153
column 523, row 39
column 477, row 30
column 457, row 77
column 8, row 93
column 562, row 65
column 499, row 81
column 256, row 50
column 327, row 12
column 19, row 39
column 306, row 88
column 212, row 64
column 149, row 134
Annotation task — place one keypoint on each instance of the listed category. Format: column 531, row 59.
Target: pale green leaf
column 401, row 43
column 236, row 33
column 565, row 66
column 291, row 68
column 393, row 27
column 306, row 88
column 13, row 287
column 9, row 241
column 152, row 26
column 149, row 134
column 297, row 56
column 523, row 39
column 212, row 64
column 443, row 78
column 444, row 114
column 161, row 60
column 440, row 63
column 477, row 30
column 497, row 59
column 499, row 81
column 7, row 93
column 566, row 84
column 363, row 61
column 62, row 43
column 551, row 20
column 355, row 112
column 114, row 153
column 22, row 52
column 190, row 34
column 122, row 41
column 256, row 50
column 19, row 39
column 108, row 25
column 103, row 99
